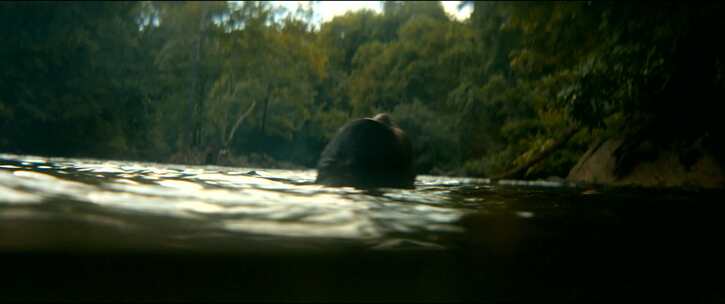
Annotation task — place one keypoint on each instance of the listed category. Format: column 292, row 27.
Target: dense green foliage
column 182, row 81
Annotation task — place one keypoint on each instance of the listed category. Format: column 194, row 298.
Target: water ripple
column 279, row 203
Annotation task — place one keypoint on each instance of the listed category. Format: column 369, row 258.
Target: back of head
column 367, row 153
column 385, row 119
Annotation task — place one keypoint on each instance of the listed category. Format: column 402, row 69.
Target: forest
column 519, row 88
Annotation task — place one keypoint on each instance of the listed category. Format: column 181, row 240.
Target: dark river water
column 95, row 230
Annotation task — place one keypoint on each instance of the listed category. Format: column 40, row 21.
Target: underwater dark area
column 96, row 230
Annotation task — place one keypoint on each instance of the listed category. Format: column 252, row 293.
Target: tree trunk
column 194, row 103
column 192, row 95
column 520, row 170
column 241, row 118
column 264, row 113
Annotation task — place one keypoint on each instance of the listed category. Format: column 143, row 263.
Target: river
column 89, row 230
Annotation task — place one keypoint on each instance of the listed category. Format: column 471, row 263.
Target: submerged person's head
column 385, row 119
column 368, row 153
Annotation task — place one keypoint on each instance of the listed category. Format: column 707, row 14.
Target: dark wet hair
column 385, row 119
column 367, row 153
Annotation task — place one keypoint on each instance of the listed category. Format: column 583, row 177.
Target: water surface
column 85, row 229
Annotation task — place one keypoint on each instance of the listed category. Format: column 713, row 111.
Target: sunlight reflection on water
column 237, row 200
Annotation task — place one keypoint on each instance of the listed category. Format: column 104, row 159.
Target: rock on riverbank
column 617, row 162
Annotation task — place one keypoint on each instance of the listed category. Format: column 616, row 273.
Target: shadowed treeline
column 241, row 84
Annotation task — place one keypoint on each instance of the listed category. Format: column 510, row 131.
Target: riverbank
column 645, row 163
